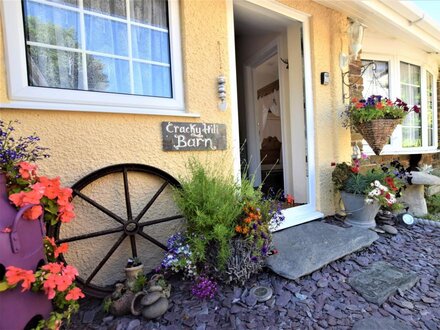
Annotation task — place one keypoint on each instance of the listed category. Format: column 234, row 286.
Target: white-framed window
column 415, row 84
column 94, row 55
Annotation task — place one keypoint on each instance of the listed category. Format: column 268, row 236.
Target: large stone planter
column 20, row 246
column 359, row 213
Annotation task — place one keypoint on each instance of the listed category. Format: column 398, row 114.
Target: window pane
column 73, row 3
column 151, row 12
column 107, row 74
column 411, row 94
column 150, row 45
column 404, row 73
column 376, row 78
column 54, row 68
column 101, row 62
column 430, row 108
column 112, row 7
column 153, row 80
column 106, row 36
column 50, row 25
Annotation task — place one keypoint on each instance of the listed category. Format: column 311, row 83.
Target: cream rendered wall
column 332, row 141
column 82, row 142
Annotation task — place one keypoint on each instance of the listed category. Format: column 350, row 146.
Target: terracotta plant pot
column 21, row 247
column 359, row 213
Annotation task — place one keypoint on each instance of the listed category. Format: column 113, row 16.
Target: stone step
column 308, row 247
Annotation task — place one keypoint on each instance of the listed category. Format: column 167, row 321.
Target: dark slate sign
column 193, row 136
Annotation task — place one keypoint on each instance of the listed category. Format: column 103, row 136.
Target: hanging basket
column 377, row 132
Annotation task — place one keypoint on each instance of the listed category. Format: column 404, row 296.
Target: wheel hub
column 131, row 228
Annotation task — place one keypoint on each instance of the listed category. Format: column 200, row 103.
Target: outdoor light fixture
column 221, row 81
column 356, row 33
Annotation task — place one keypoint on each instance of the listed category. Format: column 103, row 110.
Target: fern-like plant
column 211, row 204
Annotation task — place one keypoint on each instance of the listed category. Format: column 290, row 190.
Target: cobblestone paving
column 321, row 300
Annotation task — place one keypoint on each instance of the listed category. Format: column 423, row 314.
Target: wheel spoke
column 127, row 195
column 91, row 235
column 99, row 206
column 133, row 246
column 153, row 222
column 152, row 200
column 108, row 255
column 153, row 240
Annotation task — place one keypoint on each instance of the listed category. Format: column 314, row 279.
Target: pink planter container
column 22, row 247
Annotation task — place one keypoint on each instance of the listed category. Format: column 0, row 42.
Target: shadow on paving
column 320, row 300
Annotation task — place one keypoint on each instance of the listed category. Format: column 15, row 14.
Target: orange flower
column 52, row 186
column 53, row 267
column 359, row 105
column 70, row 271
column 17, row 198
column 27, row 170
column 238, row 229
column 245, row 230
column 33, row 213
column 248, row 220
column 32, row 197
column 379, row 105
column 61, row 249
column 74, row 294
column 289, row 199
column 64, row 196
column 15, row 275
column 354, row 100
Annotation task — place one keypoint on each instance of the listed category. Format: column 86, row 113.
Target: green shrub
column 210, row 202
column 433, row 203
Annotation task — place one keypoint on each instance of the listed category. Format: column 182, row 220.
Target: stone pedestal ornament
column 414, row 195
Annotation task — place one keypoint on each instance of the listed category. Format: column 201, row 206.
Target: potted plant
column 28, row 203
column 133, row 269
column 376, row 118
column 364, row 192
column 228, row 232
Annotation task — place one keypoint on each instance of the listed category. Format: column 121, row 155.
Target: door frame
column 303, row 213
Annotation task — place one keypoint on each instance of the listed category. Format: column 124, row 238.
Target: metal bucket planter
column 21, row 246
column 359, row 213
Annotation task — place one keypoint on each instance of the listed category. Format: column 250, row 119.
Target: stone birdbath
column 414, row 195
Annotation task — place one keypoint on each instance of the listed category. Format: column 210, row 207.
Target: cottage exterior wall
column 82, row 142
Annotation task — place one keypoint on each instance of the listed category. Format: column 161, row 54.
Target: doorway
column 274, row 105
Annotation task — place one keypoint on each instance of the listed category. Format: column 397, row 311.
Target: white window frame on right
column 395, row 146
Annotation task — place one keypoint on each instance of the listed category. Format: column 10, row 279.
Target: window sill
column 94, row 108
column 409, row 151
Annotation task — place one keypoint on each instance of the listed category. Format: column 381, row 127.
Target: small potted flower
column 376, row 118
column 133, row 269
column 365, row 191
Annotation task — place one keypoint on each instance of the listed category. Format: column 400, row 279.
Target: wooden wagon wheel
column 130, row 226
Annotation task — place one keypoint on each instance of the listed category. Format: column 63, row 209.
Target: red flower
column 355, row 169
column 289, row 199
